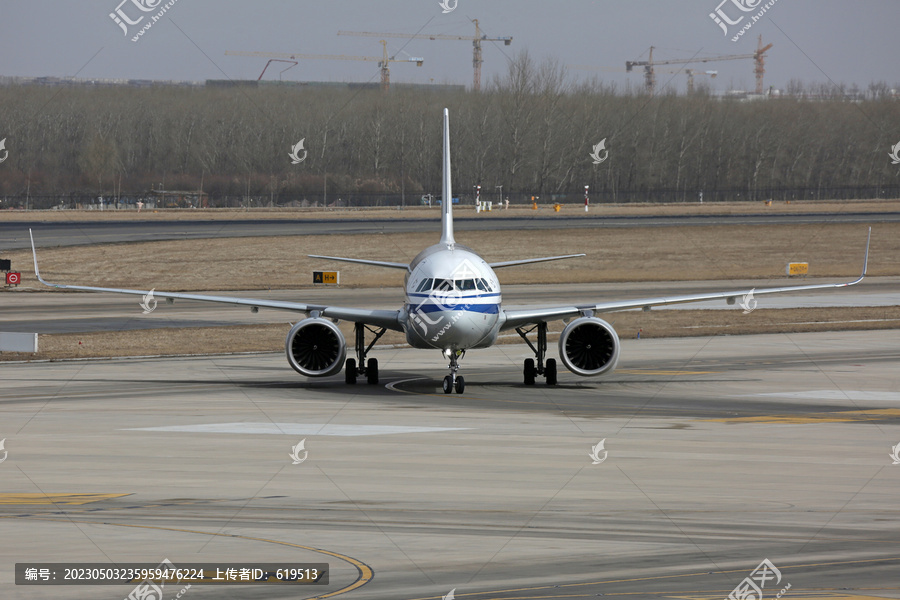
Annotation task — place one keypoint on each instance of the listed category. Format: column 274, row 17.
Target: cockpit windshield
column 450, row 285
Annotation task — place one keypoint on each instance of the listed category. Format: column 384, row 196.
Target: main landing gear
column 532, row 370
column 370, row 369
column 453, row 380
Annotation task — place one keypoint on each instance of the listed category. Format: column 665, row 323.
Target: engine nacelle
column 316, row 348
column 589, row 346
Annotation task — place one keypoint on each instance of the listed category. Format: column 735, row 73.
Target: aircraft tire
column 350, row 371
column 529, row 371
column 448, row 384
column 460, row 385
column 372, row 371
column 550, row 371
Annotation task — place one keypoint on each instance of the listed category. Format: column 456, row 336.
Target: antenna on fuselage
column 446, row 191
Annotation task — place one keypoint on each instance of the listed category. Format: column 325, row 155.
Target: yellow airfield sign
column 797, row 268
column 332, row 277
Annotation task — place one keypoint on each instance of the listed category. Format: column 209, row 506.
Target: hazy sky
column 815, row 40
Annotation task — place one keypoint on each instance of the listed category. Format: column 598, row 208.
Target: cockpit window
column 459, row 285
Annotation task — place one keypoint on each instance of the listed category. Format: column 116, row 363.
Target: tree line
column 530, row 131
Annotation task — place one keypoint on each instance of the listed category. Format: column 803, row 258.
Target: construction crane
column 476, row 44
column 383, row 61
column 691, row 73
column 758, row 57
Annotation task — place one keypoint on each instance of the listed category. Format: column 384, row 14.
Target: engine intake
column 316, row 348
column 589, row 346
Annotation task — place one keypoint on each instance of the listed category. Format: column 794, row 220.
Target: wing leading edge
column 379, row 318
column 516, row 318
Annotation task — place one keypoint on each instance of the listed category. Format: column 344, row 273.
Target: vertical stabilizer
column 446, row 191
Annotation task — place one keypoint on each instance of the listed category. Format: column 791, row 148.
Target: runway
column 719, row 453
column 14, row 235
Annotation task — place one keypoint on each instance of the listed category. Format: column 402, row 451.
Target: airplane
column 453, row 304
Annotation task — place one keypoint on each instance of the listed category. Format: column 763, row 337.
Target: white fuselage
column 452, row 300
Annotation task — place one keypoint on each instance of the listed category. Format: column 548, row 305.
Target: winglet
column 34, row 254
column 866, row 259
column 446, row 190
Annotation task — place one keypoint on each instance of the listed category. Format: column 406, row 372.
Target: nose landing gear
column 453, row 380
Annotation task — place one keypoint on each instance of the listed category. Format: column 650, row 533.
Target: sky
column 814, row 40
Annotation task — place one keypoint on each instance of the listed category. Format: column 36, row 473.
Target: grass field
column 628, row 254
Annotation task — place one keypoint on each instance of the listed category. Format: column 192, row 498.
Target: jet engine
column 315, row 347
column 589, row 346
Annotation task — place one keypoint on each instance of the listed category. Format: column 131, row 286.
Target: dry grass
column 655, row 324
column 613, row 254
column 419, row 212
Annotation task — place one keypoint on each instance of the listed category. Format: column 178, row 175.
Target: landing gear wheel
column 530, row 371
column 460, row 385
column 550, row 371
column 350, row 371
column 448, row 384
column 372, row 371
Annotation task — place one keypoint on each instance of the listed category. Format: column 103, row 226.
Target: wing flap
column 516, row 318
column 363, row 261
column 528, row 261
column 379, row 318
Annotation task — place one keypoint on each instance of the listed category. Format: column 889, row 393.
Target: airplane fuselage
column 452, row 300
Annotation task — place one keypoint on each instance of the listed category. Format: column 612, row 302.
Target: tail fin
column 446, row 191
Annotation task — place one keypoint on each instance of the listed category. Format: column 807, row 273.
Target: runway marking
column 860, row 395
column 848, row 416
column 320, row 429
column 651, row 372
column 392, row 386
column 365, row 573
column 68, row 499
column 823, row 594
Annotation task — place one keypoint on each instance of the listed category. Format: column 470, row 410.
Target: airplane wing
column 363, row 261
column 517, row 318
column 528, row 261
column 379, row 318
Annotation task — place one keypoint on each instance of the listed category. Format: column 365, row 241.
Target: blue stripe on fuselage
column 431, row 294
column 490, row 309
